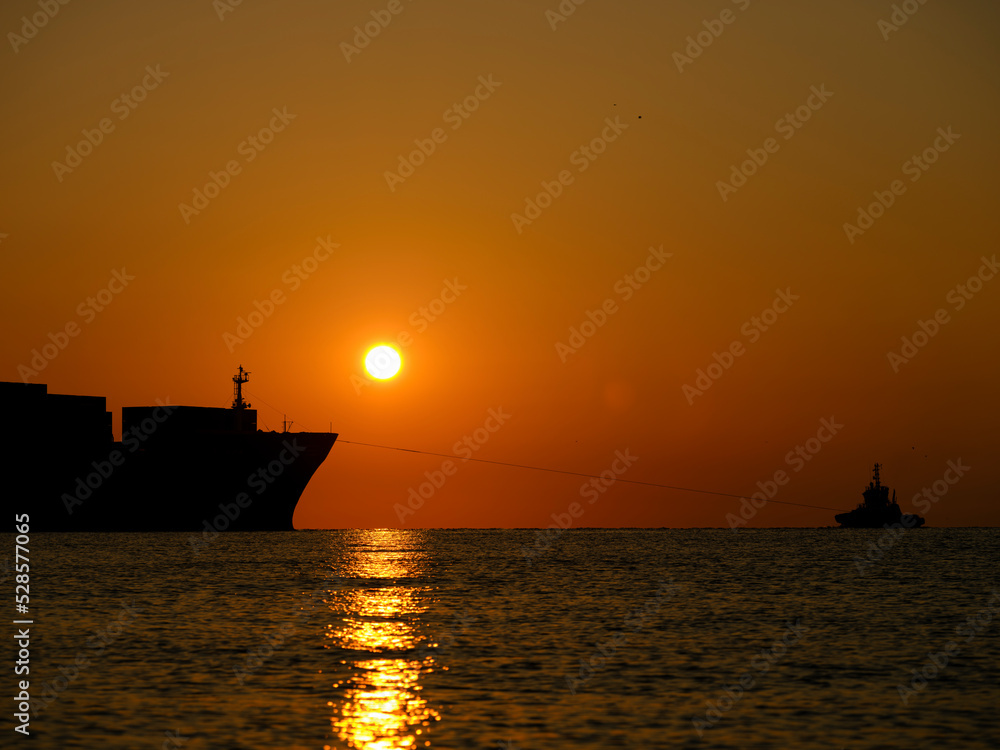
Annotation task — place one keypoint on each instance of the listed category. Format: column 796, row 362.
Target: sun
column 382, row 362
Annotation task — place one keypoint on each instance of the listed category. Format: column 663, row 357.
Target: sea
column 511, row 639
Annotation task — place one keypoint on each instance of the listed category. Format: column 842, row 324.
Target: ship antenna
column 238, row 380
column 877, row 482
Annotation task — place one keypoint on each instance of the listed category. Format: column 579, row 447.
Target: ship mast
column 238, row 380
column 877, row 482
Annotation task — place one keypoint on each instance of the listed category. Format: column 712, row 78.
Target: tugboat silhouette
column 876, row 511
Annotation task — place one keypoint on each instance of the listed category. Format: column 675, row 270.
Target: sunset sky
column 369, row 239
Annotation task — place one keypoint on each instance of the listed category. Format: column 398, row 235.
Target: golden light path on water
column 378, row 706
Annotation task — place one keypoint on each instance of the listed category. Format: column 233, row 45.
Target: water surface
column 451, row 639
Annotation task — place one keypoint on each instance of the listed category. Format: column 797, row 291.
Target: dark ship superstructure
column 876, row 510
column 176, row 468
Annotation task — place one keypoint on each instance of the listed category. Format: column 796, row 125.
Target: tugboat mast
column 238, row 380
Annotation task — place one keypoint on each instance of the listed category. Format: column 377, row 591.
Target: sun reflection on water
column 378, row 705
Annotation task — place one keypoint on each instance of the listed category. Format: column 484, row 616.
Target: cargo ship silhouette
column 876, row 511
column 176, row 468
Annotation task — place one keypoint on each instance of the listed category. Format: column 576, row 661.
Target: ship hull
column 858, row 519
column 232, row 482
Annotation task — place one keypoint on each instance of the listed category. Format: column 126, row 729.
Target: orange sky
column 862, row 106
